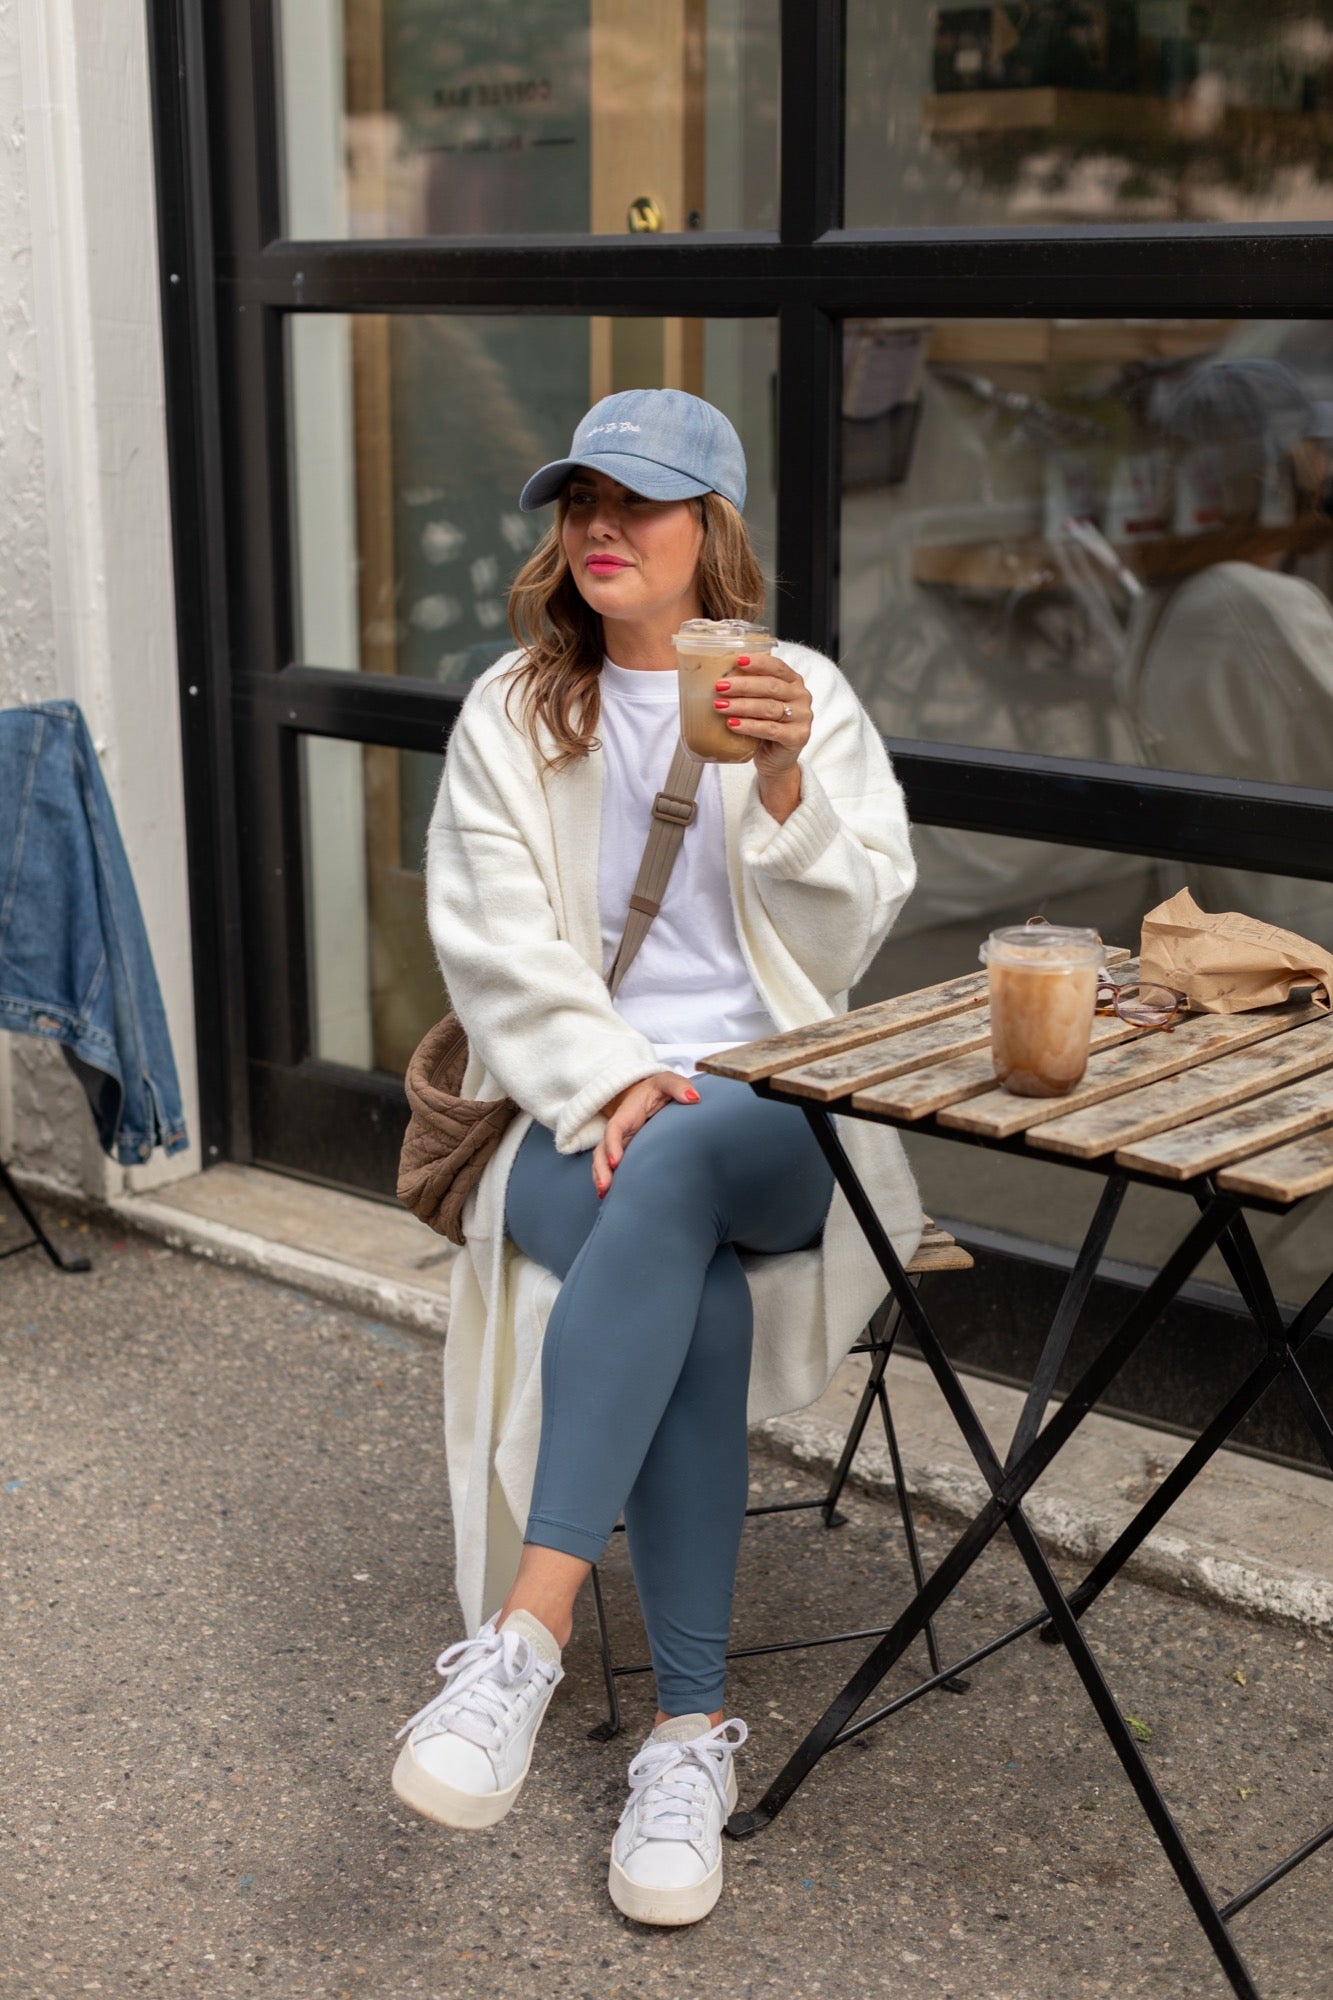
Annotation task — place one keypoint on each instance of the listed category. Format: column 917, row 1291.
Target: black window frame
column 229, row 280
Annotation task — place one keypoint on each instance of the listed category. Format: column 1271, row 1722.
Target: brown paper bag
column 1230, row 963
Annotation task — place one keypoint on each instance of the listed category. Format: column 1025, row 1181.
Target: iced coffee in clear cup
column 707, row 650
column 1043, row 995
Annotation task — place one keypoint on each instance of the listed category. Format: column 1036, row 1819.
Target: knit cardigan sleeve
column 537, row 1014
column 834, row 875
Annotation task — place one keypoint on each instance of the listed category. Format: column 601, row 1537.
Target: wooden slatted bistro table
column 1234, row 1110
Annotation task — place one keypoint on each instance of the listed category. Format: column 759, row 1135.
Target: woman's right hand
column 628, row 1112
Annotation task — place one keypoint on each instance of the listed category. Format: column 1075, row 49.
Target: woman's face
column 633, row 560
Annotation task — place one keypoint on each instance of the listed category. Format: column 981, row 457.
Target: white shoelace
column 669, row 1782
column 482, row 1677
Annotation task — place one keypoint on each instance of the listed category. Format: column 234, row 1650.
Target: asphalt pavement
column 225, row 1553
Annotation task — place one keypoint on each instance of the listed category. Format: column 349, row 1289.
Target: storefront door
column 1021, row 313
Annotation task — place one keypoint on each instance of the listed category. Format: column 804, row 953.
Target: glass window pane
column 428, row 118
column 1060, row 111
column 412, row 436
column 374, row 983
column 969, row 884
column 1101, row 539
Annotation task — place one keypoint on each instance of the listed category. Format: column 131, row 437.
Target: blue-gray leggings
column 646, row 1360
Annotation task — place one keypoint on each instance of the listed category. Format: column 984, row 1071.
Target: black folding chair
column 937, row 1251
column 37, row 1237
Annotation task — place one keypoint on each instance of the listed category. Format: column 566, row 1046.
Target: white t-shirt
column 688, row 991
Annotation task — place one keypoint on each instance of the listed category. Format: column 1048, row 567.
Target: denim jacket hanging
column 75, row 964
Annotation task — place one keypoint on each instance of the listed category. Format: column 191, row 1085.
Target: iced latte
column 707, row 650
column 1043, row 995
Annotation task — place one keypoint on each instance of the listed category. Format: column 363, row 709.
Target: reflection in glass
column 1054, row 111
column 374, row 984
column 412, row 436
column 430, row 118
column 1029, row 507
column 1102, row 540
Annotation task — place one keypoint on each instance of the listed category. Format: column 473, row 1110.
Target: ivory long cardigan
column 511, row 877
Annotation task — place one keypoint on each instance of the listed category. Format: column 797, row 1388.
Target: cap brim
column 641, row 475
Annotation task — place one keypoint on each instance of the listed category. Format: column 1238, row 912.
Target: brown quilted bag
column 449, row 1138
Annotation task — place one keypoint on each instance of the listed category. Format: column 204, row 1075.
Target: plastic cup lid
column 1042, row 943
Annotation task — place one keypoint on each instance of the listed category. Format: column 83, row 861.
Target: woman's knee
column 676, row 1158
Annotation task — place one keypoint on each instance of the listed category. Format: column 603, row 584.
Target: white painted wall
column 86, row 604
column 38, row 1099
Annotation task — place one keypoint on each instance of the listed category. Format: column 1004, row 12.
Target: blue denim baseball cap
column 662, row 443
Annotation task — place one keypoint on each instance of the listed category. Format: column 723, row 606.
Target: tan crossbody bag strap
column 673, row 809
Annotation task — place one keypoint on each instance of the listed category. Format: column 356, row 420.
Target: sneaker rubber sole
column 684, row 1905
column 435, row 1800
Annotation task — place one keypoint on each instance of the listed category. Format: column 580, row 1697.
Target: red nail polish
column 721, row 704
column 733, row 722
column 743, row 660
column 722, row 687
column 691, row 1097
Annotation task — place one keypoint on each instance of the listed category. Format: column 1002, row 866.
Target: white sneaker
column 666, row 1858
column 468, row 1751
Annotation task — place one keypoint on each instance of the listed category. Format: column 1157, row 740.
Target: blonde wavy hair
column 561, row 635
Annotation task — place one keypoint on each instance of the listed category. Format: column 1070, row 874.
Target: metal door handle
column 645, row 215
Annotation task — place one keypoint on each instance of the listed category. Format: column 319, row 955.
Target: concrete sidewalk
column 1255, row 1536
column 224, row 1576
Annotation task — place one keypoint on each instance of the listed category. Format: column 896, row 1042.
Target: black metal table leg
column 1311, row 1408
column 1032, row 1451
column 1155, row 1807
column 1016, row 1481
column 951, row 1682
column 1246, row 1266
column 1252, row 1280
column 1072, row 1301
column 1205, row 1447
column 1121, row 1738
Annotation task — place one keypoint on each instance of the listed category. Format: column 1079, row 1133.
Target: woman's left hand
column 771, row 703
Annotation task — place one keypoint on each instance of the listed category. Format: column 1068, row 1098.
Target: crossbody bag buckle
column 674, row 811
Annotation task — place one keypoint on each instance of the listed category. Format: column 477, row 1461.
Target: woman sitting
column 670, row 1208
